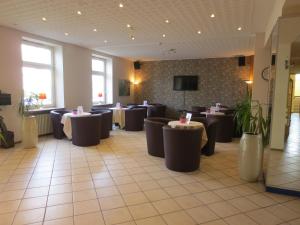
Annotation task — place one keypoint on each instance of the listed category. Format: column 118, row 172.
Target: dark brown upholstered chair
column 211, row 131
column 140, row 107
column 228, row 111
column 58, row 127
column 106, row 124
column 225, row 127
column 85, row 130
column 134, row 119
column 154, row 135
column 182, row 148
column 106, row 106
column 156, row 110
column 198, row 108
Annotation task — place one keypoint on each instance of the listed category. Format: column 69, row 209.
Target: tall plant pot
column 250, row 157
column 29, row 132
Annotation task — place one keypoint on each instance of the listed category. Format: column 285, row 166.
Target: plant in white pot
column 249, row 118
column 29, row 123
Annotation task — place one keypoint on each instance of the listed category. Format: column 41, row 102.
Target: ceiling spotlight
column 239, row 28
column 105, row 41
column 199, row 32
column 95, row 30
column 79, row 12
column 164, row 35
column 167, row 21
column 128, row 25
column 212, row 16
column 44, row 19
column 66, row 34
column 121, row 5
column 132, row 37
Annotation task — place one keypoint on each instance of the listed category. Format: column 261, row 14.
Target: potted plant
column 29, row 123
column 255, row 127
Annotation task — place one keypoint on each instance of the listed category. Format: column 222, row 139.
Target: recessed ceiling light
column 105, row 41
column 239, row 28
column 44, row 19
column 121, row 5
column 164, row 35
column 66, row 34
column 212, row 16
column 167, row 21
column 95, row 30
column 128, row 25
column 132, row 37
column 199, row 32
column 79, row 12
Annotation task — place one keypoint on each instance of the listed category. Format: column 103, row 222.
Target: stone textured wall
column 220, row 80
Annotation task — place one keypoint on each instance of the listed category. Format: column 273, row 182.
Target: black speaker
column 273, row 60
column 137, row 65
column 242, row 61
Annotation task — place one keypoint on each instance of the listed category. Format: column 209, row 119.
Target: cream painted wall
column 76, row 69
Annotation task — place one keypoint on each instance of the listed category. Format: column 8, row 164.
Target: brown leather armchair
column 154, row 135
column 85, row 130
column 106, row 124
column 211, row 131
column 225, row 127
column 134, row 119
column 182, row 148
column 198, row 108
column 58, row 127
column 156, row 110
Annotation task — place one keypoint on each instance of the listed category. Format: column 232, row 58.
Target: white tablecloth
column 191, row 125
column 119, row 116
column 215, row 113
column 66, row 121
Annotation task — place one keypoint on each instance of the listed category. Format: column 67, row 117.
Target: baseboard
column 283, row 191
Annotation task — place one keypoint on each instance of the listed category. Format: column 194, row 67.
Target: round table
column 191, row 125
column 119, row 116
column 66, row 121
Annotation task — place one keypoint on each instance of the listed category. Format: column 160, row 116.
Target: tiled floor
column 117, row 182
column 284, row 166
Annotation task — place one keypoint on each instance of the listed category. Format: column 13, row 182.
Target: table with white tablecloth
column 66, row 121
column 191, row 125
column 213, row 113
column 119, row 116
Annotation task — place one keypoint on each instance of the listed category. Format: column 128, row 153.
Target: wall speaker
column 137, row 65
column 273, row 60
column 242, row 61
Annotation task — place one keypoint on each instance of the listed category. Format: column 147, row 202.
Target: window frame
column 35, row 65
column 98, row 73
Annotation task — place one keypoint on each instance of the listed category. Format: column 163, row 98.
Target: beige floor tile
column 7, row 218
column 195, row 187
column 9, row 206
column 128, row 188
column 29, row 216
column 213, row 184
column 294, row 222
column 261, row 200
column 36, row 192
column 243, row 204
column 85, row 185
column 188, row 201
column 167, row 182
column 156, row 220
column 239, row 219
column 166, row 206
column 88, row 206
column 61, row 180
column 89, row 219
column 142, row 211
column 59, row 211
column 63, row 221
column 33, row 203
column 223, row 209
column 215, row 222
column 123, row 180
column 11, row 195
column 202, row 214
column 226, row 193
column 111, row 202
column 178, row 218
column 208, row 197
column 283, row 212
column 293, row 205
column 59, row 199
column 61, row 188
column 135, row 198
column 105, row 182
column 107, row 191
column 175, row 191
column 148, row 185
column 84, row 195
column 156, row 194
column 116, row 216
column 243, row 190
column 263, row 217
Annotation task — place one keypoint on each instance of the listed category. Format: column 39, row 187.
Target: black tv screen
column 5, row 99
column 185, row 83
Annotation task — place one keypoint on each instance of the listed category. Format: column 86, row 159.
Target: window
column 38, row 68
column 99, row 80
column 297, row 85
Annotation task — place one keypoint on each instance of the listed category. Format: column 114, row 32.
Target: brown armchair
column 211, row 131
column 154, row 135
column 106, row 124
column 198, row 108
column 134, row 119
column 182, row 148
column 156, row 110
column 58, row 127
column 225, row 127
column 85, row 130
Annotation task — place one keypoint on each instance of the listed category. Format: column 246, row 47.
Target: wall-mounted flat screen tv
column 185, row 83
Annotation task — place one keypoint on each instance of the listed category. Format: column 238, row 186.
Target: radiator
column 44, row 124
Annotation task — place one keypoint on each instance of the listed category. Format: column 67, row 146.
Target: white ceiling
column 219, row 37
